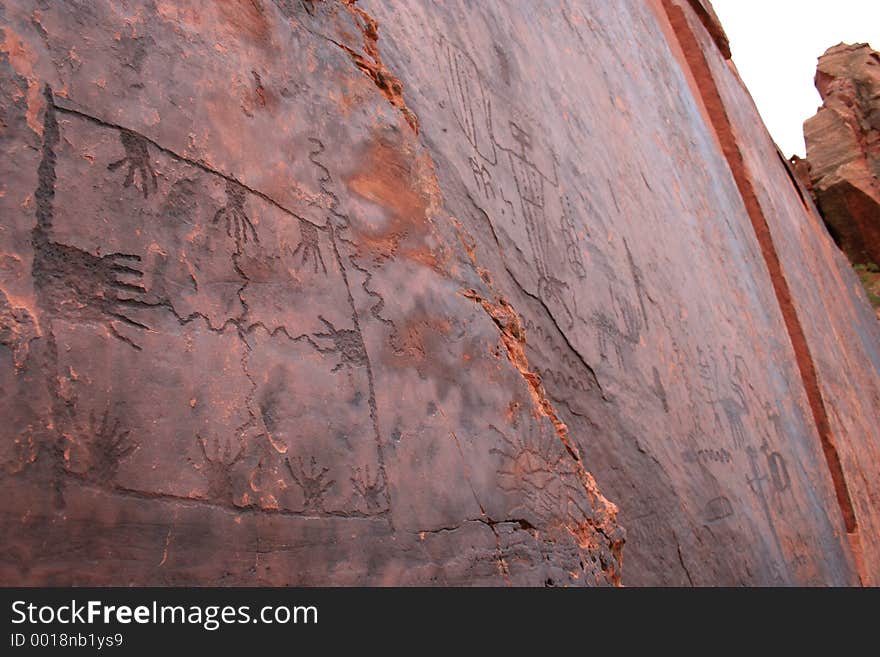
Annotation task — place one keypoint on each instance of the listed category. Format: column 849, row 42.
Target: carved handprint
column 74, row 284
column 309, row 246
column 238, row 224
column 118, row 292
column 347, row 344
column 71, row 283
column 371, row 489
column 218, row 459
column 311, row 481
column 109, row 444
column 137, row 158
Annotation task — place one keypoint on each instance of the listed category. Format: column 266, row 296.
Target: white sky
column 775, row 46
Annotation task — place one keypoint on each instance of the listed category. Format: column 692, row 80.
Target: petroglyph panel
column 323, row 293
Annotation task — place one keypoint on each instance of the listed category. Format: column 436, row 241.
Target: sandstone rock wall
column 405, row 293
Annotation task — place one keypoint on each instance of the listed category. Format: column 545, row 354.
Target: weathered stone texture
column 843, row 148
column 400, row 293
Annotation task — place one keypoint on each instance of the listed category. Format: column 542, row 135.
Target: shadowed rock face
column 843, row 148
column 325, row 293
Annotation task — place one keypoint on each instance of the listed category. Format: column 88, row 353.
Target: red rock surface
column 325, row 293
column 843, row 148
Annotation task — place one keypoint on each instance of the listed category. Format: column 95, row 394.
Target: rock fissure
column 372, row 66
column 513, row 337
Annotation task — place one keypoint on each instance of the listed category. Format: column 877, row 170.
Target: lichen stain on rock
column 394, row 218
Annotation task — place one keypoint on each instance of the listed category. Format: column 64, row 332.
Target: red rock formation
column 843, row 148
column 800, row 167
column 325, row 293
